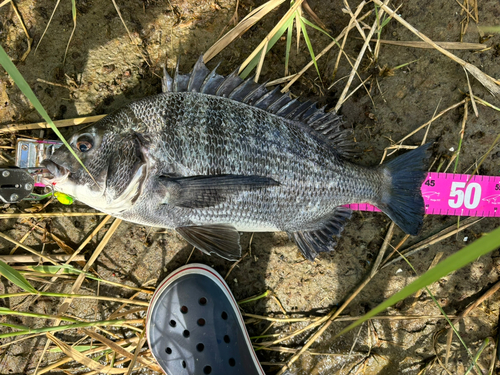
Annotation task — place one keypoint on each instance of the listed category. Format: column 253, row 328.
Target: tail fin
column 403, row 201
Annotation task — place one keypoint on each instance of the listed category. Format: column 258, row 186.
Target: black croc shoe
column 194, row 326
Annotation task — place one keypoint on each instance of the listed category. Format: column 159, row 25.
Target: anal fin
column 220, row 239
column 322, row 239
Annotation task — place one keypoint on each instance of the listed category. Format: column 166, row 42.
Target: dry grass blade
column 37, row 259
column 77, row 284
column 471, row 95
column 313, row 15
column 347, row 9
column 357, row 63
column 83, row 244
column 80, row 296
column 63, row 361
column 328, row 319
column 279, row 81
column 495, row 142
column 425, row 45
column 49, row 214
column 128, row 32
column 26, row 235
column 10, row 128
column 30, row 39
column 261, row 61
column 281, row 320
column 142, row 340
column 31, row 250
column 117, row 314
column 73, row 13
column 118, row 349
column 48, row 24
column 284, row 349
column 491, row 84
column 462, row 132
column 353, row 21
column 432, row 120
column 235, row 264
column 312, row 325
column 383, row 249
column 325, row 50
column 269, row 36
column 246, row 23
column 81, row 358
column 445, row 233
column 56, row 84
column 477, row 302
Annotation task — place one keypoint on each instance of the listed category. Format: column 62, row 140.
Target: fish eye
column 84, row 144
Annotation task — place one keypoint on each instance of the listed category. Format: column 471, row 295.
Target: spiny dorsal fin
column 327, row 124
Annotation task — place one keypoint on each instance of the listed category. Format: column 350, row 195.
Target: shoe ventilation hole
column 173, row 323
column 207, row 370
column 227, row 340
column 184, row 309
column 232, row 362
column 185, row 333
column 200, row 347
column 201, row 322
column 183, row 364
column 168, row 350
column 202, row 301
column 224, row 315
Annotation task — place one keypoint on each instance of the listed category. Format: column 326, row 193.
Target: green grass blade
column 6, row 311
column 255, row 298
column 73, row 12
column 489, row 29
column 309, row 45
column 66, row 269
column 79, row 348
column 102, row 323
column 15, row 326
column 468, row 254
column 288, row 47
column 476, row 357
column 18, row 78
column 458, row 155
column 15, row 277
column 440, row 308
column 252, row 64
column 316, row 27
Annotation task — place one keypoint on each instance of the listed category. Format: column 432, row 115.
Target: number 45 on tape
column 453, row 194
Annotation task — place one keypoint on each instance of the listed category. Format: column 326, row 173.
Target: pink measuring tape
column 451, row 194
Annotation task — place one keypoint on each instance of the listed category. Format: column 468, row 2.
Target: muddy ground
column 104, row 70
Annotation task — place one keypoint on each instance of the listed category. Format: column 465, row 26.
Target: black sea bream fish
column 212, row 156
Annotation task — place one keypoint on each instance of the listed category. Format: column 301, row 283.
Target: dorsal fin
column 327, row 125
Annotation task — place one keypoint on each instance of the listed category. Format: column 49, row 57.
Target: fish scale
column 212, row 156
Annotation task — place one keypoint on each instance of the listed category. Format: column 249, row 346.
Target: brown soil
column 106, row 70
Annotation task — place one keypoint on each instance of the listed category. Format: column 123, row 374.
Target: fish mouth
column 58, row 172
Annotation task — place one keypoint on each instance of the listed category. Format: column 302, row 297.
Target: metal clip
column 15, row 184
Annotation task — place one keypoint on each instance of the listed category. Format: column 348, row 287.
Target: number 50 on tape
column 453, row 194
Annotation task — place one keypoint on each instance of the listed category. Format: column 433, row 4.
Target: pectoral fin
column 208, row 191
column 220, row 239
